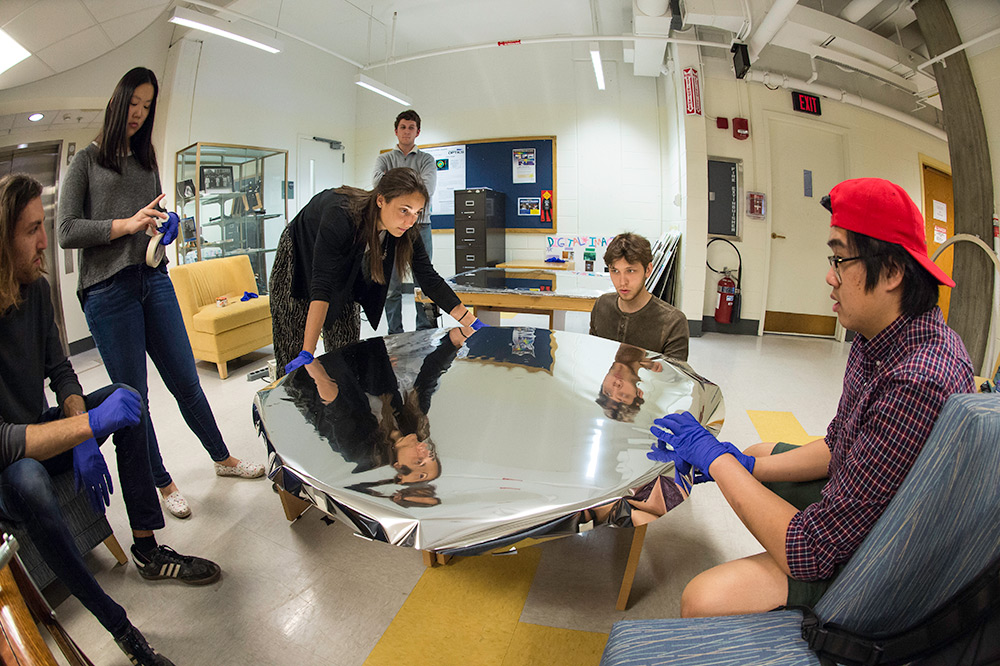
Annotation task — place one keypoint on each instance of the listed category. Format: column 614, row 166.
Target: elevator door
column 41, row 161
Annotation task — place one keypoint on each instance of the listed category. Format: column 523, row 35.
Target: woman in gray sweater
column 109, row 202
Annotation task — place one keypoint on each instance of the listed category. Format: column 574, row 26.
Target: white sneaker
column 177, row 505
column 242, row 469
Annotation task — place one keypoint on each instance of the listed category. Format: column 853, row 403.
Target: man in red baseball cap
column 812, row 505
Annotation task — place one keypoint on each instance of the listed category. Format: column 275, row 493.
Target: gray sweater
column 91, row 198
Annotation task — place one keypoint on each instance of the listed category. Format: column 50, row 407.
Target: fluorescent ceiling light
column 384, row 90
column 595, row 57
column 11, row 52
column 216, row 26
column 35, row 117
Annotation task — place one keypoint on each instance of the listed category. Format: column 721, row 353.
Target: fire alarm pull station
column 741, row 128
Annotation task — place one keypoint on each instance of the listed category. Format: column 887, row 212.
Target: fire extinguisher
column 727, row 299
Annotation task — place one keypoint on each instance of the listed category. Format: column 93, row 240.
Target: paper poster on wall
column 940, row 211
column 940, row 234
column 450, row 164
column 523, row 163
column 529, row 206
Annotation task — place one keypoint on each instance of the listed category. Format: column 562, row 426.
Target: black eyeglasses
column 835, row 263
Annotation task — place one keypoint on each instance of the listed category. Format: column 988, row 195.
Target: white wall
column 876, row 146
column 224, row 92
column 609, row 171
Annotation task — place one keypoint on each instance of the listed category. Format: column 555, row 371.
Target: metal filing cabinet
column 479, row 229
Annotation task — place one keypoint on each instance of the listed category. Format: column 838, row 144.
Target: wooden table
column 491, row 291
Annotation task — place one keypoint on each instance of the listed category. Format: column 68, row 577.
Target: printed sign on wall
column 692, row 92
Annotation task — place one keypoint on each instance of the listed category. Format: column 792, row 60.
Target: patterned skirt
column 288, row 314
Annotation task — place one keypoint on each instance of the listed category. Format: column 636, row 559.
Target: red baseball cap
column 883, row 210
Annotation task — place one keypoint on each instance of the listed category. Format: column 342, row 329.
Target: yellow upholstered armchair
column 221, row 334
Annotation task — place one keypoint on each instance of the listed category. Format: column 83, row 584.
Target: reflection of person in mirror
column 811, row 506
column 632, row 314
column 410, row 497
column 620, row 395
column 339, row 393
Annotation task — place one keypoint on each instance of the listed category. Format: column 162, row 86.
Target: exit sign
column 806, row 103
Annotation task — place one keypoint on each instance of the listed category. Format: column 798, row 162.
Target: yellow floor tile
column 466, row 610
column 534, row 644
column 780, row 427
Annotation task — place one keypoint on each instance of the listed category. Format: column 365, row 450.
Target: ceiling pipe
column 772, row 79
column 769, row 27
column 546, row 40
column 960, row 47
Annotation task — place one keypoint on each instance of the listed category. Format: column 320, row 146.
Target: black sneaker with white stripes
column 135, row 647
column 165, row 562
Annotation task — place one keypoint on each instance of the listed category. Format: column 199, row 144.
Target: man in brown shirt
column 633, row 315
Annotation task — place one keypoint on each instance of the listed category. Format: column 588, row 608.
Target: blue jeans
column 394, row 297
column 131, row 313
column 27, row 497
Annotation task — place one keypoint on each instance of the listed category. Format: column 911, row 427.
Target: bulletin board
column 492, row 163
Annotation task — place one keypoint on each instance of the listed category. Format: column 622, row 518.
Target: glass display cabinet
column 231, row 200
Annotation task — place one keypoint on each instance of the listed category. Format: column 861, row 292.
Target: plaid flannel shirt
column 894, row 388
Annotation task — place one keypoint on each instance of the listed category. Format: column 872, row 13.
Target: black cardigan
column 328, row 256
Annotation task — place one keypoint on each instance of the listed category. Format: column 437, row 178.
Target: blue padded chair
column 939, row 532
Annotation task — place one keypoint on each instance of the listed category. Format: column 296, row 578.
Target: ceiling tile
column 106, row 10
column 76, row 116
column 126, row 27
column 46, row 23
column 77, row 49
column 26, row 71
column 6, row 122
column 11, row 8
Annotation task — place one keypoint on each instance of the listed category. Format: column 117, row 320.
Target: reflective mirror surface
column 515, row 435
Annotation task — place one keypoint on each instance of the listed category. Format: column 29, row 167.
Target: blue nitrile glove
column 247, row 295
column 682, row 468
column 476, row 325
column 696, row 446
column 90, row 473
column 120, row 409
column 304, row 358
column 169, row 228
column 692, row 442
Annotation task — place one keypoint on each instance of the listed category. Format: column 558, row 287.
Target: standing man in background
column 406, row 154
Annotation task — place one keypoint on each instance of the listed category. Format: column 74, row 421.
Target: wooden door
column 939, row 224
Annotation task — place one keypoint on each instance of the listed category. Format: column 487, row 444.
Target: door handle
column 774, row 235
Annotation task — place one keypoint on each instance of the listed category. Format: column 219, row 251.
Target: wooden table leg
column 293, row 506
column 432, row 559
column 633, row 562
column 116, row 549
